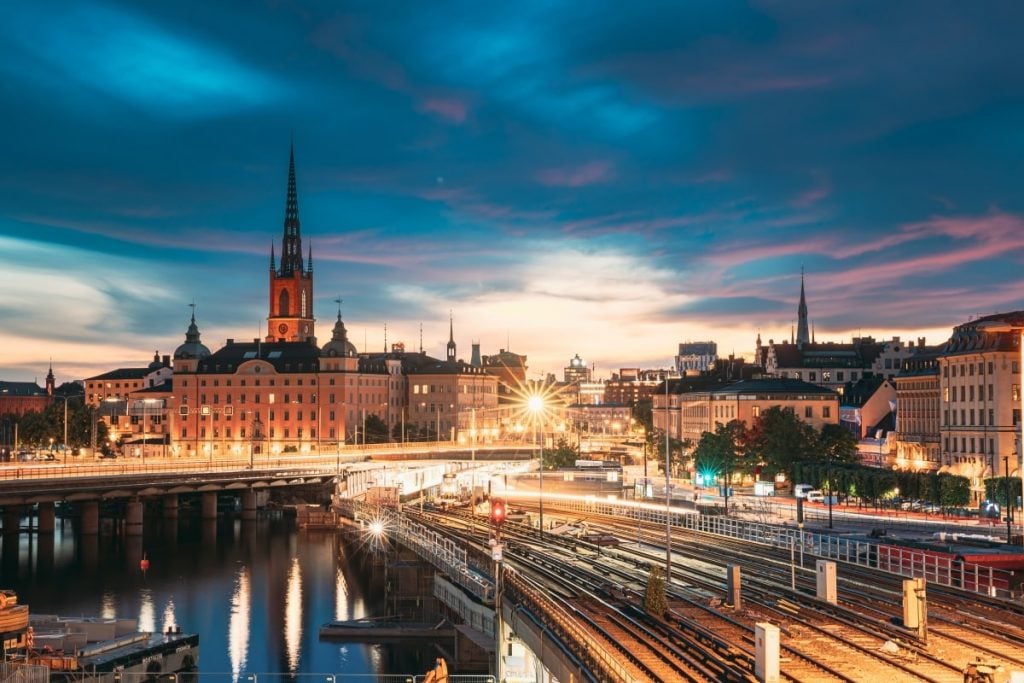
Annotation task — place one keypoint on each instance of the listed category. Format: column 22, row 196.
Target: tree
column 376, row 430
column 655, row 601
column 716, row 452
column 779, row 439
column 838, row 444
column 564, row 454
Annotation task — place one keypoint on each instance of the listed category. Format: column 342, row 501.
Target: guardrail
column 439, row 550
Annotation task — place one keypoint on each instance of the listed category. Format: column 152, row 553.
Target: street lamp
column 65, row 428
column 535, row 404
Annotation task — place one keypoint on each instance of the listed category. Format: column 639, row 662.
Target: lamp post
column 829, row 475
column 668, row 499
column 536, row 406
column 65, row 428
column 1006, row 493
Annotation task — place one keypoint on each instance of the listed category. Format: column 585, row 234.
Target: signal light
column 497, row 512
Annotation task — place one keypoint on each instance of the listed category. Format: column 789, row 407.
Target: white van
column 815, row 497
column 800, row 490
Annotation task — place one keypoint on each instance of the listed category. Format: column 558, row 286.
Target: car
column 815, row 497
column 25, row 456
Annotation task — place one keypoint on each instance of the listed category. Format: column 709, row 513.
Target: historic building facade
column 980, row 383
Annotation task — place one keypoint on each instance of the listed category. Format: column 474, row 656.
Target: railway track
column 851, row 640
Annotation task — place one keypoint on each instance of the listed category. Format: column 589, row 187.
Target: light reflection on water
column 238, row 624
column 256, row 593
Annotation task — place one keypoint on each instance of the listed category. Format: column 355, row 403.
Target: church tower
column 451, row 340
column 802, row 335
column 291, row 285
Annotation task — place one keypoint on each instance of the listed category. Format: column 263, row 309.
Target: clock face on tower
column 282, row 328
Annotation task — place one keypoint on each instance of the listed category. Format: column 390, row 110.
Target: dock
column 377, row 630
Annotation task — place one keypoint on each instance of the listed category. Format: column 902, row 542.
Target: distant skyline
column 596, row 178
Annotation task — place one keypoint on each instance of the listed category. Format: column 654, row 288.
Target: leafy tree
column 996, row 489
column 564, row 454
column 779, row 439
column 655, row 600
column 837, row 444
column 717, row 451
column 376, row 430
column 643, row 413
column 954, row 491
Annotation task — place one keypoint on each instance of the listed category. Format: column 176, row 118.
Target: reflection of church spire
column 802, row 335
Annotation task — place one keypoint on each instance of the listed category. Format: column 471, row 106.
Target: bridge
column 413, row 467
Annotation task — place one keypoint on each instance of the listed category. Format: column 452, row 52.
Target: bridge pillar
column 12, row 519
column 209, row 505
column 248, row 505
column 133, row 517
column 171, row 506
column 90, row 517
column 47, row 517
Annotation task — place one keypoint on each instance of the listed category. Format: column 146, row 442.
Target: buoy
column 144, row 563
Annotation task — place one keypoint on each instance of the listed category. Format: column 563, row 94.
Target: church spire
column 451, row 337
column 291, row 244
column 802, row 335
column 273, row 261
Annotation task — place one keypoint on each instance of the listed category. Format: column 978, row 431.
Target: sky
column 606, row 179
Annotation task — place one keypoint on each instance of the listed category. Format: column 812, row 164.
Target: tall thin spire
column 802, row 334
column 273, row 261
column 291, row 244
column 451, row 337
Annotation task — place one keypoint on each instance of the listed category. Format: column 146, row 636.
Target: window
column 945, row 394
column 991, row 417
column 826, row 411
column 814, row 376
column 1015, row 392
column 970, row 369
column 826, row 376
column 808, row 411
column 839, row 376
column 755, row 411
column 853, row 376
column 1016, row 416
column 1015, row 367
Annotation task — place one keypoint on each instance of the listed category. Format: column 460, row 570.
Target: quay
column 91, row 649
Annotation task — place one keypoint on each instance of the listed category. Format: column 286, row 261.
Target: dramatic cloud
column 608, row 182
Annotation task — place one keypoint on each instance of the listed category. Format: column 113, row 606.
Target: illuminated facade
column 703, row 411
column 980, row 408
column 917, row 436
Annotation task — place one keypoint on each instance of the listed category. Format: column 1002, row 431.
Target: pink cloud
column 820, row 191
column 593, row 173
column 448, row 109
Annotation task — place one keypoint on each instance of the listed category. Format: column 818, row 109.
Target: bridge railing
column 441, row 551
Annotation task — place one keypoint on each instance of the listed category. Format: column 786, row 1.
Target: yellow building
column 702, row 411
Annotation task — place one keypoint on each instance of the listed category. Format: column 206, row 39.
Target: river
column 255, row 592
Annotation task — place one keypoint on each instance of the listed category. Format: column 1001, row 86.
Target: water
column 255, row 592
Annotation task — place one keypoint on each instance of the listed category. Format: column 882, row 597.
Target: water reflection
column 257, row 598
column 147, row 615
column 293, row 615
column 169, row 622
column 238, row 624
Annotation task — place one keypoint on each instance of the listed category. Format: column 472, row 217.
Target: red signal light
column 497, row 512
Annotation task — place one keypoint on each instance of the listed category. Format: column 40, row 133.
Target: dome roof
column 339, row 344
column 192, row 348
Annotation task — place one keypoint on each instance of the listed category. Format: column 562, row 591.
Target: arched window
column 282, row 303
column 303, row 314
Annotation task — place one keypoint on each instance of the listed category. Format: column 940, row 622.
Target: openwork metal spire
column 291, row 245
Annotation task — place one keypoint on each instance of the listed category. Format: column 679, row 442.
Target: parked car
column 815, row 497
column 25, row 456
